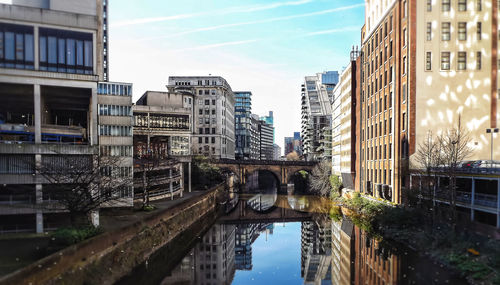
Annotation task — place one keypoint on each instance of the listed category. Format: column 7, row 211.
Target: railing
column 480, row 199
column 265, row 162
column 471, row 170
column 156, row 193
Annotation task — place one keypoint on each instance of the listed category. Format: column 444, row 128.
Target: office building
column 317, row 94
column 213, row 114
column 51, row 60
column 269, row 119
column 266, row 133
column 246, row 140
column 276, row 152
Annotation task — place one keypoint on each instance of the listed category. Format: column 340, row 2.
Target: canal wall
column 108, row 257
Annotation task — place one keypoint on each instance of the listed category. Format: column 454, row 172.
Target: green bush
column 148, row 208
column 69, row 236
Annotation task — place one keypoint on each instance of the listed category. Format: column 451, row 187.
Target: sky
column 263, row 46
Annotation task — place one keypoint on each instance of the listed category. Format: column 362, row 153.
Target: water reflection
column 312, row 249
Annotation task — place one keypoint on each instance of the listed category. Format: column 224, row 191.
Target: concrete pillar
column 38, row 113
column 36, row 47
column 39, row 221
column 189, row 176
column 93, row 118
column 94, row 217
column 182, row 179
column 473, row 193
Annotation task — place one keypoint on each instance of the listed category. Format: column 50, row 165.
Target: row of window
column 114, row 110
column 207, row 112
column 207, row 139
column 207, row 92
column 446, row 60
column 383, row 152
column 372, row 176
column 376, row 130
column 375, row 85
column 461, row 31
column 114, row 89
column 200, row 83
column 461, row 5
column 207, row 121
column 118, row 131
column 116, row 150
column 116, row 171
column 207, row 131
column 16, row 46
column 382, row 104
column 162, row 121
column 206, row 101
column 66, row 51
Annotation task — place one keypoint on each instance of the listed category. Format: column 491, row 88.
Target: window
column 462, row 31
column 213, row 139
column 429, row 5
column 404, row 64
column 390, row 99
column 445, row 31
column 404, row 91
column 478, row 60
column 429, row 31
column 405, row 40
column 16, row 46
column 207, row 102
column 428, row 60
column 390, row 49
column 479, row 31
column 213, row 131
column 200, row 131
column 445, row 5
column 462, row 5
column 200, row 111
column 462, row 60
column 66, row 51
column 200, row 140
column 405, row 9
column 404, row 121
column 390, row 74
column 445, row 60
column 479, row 5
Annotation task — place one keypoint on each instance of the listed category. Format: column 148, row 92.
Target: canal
column 261, row 236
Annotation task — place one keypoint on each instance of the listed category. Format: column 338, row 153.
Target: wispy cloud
column 333, row 31
column 217, row 45
column 270, row 20
column 228, row 11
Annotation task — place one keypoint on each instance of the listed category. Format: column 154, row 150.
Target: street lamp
column 491, row 131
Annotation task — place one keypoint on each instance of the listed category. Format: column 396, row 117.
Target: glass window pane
column 70, row 52
column 1, row 45
column 29, row 47
column 52, row 50
column 79, row 53
column 9, row 46
column 61, row 56
column 88, row 54
column 19, row 47
column 43, row 49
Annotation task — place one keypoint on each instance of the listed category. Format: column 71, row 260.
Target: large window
column 445, row 60
column 428, row 61
column 16, row 46
column 445, row 31
column 462, row 60
column 462, row 31
column 429, row 31
column 462, row 5
column 66, row 51
column 445, row 5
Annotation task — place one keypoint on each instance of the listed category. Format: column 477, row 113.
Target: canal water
column 263, row 237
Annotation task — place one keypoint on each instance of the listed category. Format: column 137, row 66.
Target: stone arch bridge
column 282, row 170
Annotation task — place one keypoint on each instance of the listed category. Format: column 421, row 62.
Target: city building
column 288, row 145
column 293, row 144
column 162, row 132
column 51, row 60
column 317, row 94
column 213, row 114
column 276, row 152
column 246, row 140
column 417, row 85
column 316, row 253
column 266, row 133
column 344, row 124
column 269, row 119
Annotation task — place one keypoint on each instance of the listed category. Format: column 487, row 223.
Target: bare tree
column 292, row 156
column 455, row 147
column 319, row 180
column 81, row 184
column 429, row 157
column 145, row 165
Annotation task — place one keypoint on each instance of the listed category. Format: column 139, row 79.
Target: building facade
column 317, row 93
column 213, row 114
column 246, row 141
column 51, row 61
column 266, row 134
column 276, row 152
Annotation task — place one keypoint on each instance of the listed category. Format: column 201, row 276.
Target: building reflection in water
column 316, row 251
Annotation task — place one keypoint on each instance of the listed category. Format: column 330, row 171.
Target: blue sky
column 266, row 47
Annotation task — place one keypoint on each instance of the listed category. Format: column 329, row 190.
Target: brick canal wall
column 108, row 257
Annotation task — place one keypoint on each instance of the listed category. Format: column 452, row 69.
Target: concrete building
column 51, row 60
column 246, row 141
column 276, row 152
column 293, row 144
column 317, row 93
column 344, row 124
column 162, row 130
column 213, row 113
column 269, row 119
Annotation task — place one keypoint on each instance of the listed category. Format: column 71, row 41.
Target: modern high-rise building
column 276, row 152
column 317, row 93
column 53, row 53
column 266, row 133
column 288, row 145
column 293, row 144
column 420, row 84
column 344, row 124
column 213, row 113
column 269, row 119
column 246, row 141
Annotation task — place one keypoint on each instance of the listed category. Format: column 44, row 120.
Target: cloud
column 233, row 10
column 270, row 20
column 333, row 31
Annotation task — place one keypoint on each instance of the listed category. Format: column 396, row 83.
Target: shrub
column 69, row 236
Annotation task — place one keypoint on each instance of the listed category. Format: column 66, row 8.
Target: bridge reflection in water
column 264, row 238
